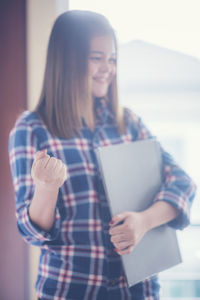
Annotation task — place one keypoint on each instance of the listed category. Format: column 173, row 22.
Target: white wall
column 40, row 18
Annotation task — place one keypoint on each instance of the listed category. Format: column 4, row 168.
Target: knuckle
column 53, row 159
column 127, row 251
column 46, row 157
column 112, row 232
column 59, row 163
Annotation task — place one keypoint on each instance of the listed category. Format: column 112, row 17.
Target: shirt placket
column 112, row 261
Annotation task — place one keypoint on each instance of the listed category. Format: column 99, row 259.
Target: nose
column 105, row 66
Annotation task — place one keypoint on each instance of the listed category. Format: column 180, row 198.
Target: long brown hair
column 65, row 92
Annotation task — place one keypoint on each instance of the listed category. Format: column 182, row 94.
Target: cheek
column 112, row 73
column 92, row 69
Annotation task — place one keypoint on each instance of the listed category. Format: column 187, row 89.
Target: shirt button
column 113, row 282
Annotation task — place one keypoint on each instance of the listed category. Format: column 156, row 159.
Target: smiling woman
column 61, row 204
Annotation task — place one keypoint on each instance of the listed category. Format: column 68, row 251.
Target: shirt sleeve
column 178, row 189
column 22, row 148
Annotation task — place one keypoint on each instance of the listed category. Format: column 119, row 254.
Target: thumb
column 40, row 154
column 117, row 219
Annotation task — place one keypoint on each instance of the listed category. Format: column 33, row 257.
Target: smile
column 101, row 79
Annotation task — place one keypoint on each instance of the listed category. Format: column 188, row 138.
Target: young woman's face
column 102, row 64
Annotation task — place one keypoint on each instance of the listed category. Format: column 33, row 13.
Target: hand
column 127, row 235
column 48, row 171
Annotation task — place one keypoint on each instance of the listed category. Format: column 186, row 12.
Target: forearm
column 42, row 208
column 159, row 213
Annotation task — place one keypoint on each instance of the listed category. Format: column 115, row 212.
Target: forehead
column 103, row 44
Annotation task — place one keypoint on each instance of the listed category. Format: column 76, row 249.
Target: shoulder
column 136, row 125
column 130, row 116
column 27, row 127
column 28, row 119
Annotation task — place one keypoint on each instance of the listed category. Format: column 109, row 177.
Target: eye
column 95, row 58
column 113, row 60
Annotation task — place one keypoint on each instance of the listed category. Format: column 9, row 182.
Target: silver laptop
column 132, row 176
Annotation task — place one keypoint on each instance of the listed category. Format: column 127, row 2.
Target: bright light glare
column 174, row 24
column 198, row 253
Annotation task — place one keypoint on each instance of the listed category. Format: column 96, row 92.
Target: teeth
column 101, row 79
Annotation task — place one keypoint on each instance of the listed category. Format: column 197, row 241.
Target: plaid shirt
column 77, row 259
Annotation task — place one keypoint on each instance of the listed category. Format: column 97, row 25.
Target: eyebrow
column 100, row 52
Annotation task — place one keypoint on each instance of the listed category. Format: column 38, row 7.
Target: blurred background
column 159, row 79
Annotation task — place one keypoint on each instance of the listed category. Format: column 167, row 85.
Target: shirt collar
column 102, row 111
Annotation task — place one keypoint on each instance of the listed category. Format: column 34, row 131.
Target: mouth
column 101, row 79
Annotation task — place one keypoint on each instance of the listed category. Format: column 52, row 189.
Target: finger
column 64, row 172
column 58, row 166
column 41, row 163
column 61, row 171
column 117, row 218
column 118, row 238
column 124, row 251
column 40, row 154
column 129, row 240
column 118, row 229
column 122, row 245
column 51, row 164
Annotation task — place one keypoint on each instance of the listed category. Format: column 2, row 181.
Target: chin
column 99, row 94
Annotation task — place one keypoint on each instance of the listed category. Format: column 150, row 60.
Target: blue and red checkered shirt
column 77, row 259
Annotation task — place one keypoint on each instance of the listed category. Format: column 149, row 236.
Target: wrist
column 43, row 204
column 46, row 187
column 147, row 220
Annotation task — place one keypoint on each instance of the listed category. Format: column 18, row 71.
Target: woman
column 61, row 203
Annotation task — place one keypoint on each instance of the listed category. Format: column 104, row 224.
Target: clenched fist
column 48, row 171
